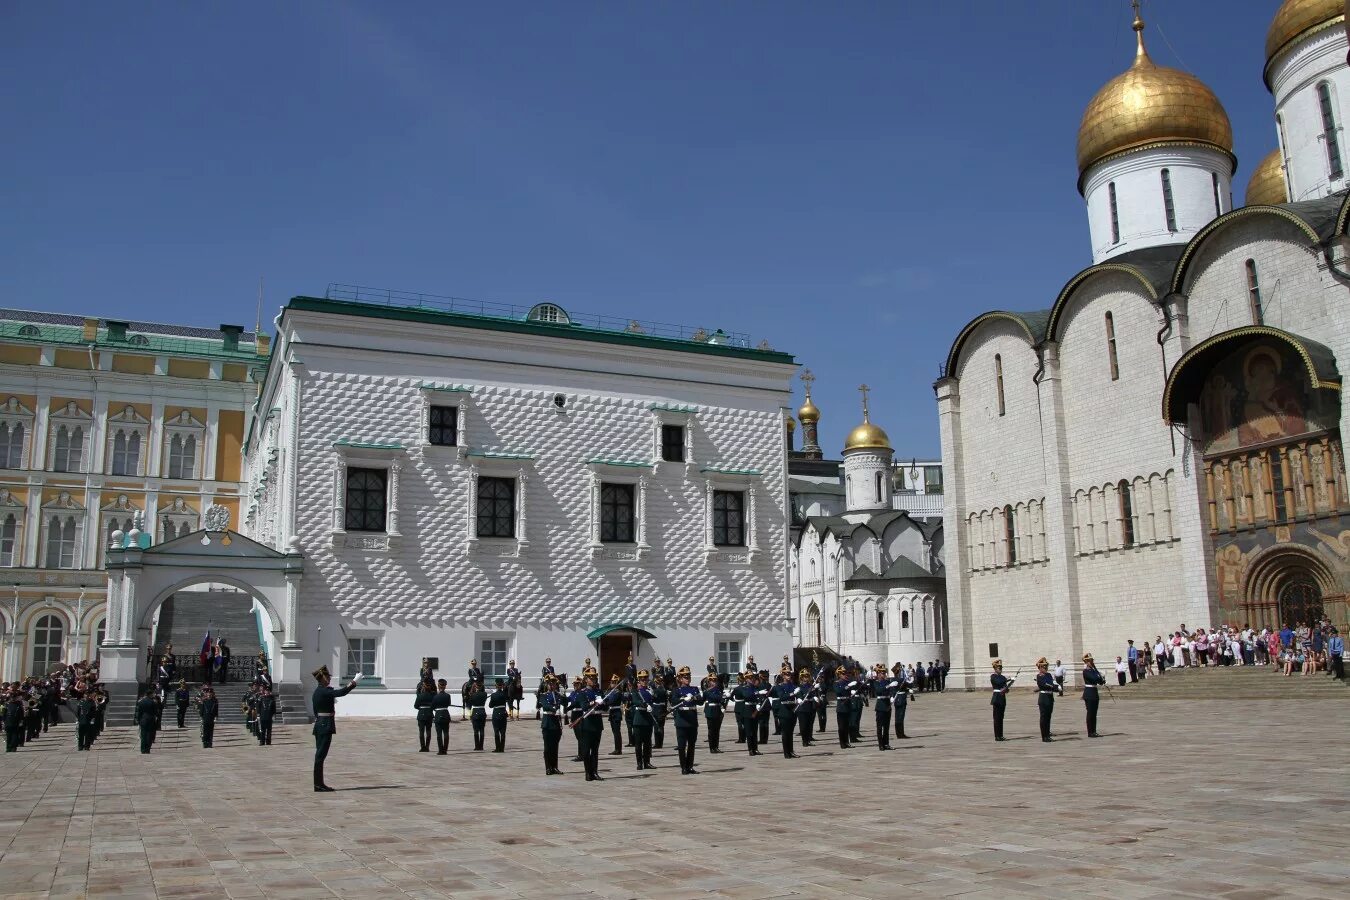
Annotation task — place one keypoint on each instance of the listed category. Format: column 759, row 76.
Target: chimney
column 90, row 329
column 264, row 344
column 231, row 333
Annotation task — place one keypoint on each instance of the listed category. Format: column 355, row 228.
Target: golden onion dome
column 807, row 412
column 791, row 424
column 1266, row 186
column 867, row 437
column 1149, row 104
column 1297, row 19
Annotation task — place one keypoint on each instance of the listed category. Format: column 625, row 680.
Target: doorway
column 1301, row 602
column 614, row 650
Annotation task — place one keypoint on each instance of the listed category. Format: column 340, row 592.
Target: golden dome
column 1298, row 18
column 1150, row 104
column 791, row 424
column 807, row 412
column 1266, row 186
column 867, row 437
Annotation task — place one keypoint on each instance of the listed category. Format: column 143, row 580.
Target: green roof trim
column 367, row 445
column 446, row 388
column 596, row 633
column 714, row 470
column 626, row 463
column 543, row 329
column 154, row 345
column 493, row 454
column 671, row 407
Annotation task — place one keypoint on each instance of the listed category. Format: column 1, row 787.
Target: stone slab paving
column 1215, row 798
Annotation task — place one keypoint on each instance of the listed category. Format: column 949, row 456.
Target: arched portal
column 1288, row 584
column 813, row 635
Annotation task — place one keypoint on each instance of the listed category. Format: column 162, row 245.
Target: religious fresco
column 1328, row 538
column 1258, row 394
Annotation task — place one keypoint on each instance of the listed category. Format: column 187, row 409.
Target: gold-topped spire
column 864, row 389
column 807, row 413
column 867, row 436
column 1140, row 53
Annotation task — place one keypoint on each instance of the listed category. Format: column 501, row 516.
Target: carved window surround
column 727, row 479
column 497, row 464
column 126, row 423
column 13, row 413
column 673, row 414
column 173, row 517
column 614, row 471
column 71, row 417
column 362, row 455
column 184, row 426
column 459, row 396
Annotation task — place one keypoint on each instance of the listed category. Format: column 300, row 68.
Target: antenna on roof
column 257, row 327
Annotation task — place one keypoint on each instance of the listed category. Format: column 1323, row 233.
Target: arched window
column 1111, row 347
column 813, row 625
column 11, row 445
column 1254, row 294
column 878, row 486
column 881, row 625
column 1218, row 207
column 1169, row 208
column 9, row 531
column 904, row 618
column 182, row 456
column 1115, row 213
column 1126, row 515
column 48, row 636
column 68, row 449
column 998, row 378
column 126, row 452
column 100, row 635
column 61, row 543
column 1330, row 137
column 1010, row 534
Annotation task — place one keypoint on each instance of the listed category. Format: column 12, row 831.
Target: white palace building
column 1161, row 444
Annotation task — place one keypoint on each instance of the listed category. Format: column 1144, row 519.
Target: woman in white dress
column 1178, row 656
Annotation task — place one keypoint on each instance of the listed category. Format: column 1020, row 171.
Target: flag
column 206, row 648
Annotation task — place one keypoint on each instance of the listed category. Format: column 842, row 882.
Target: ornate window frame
column 70, row 417
column 12, row 413
column 63, row 504
column 12, row 506
column 127, row 423
column 614, row 471
column 173, row 517
column 123, row 513
column 362, row 455
column 747, row 481
column 184, row 426
column 673, row 414
column 459, row 396
column 492, row 464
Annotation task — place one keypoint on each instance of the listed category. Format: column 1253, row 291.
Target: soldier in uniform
column 1046, row 690
column 671, row 681
column 685, row 703
column 900, row 700
column 884, row 688
column 425, row 674
column 576, row 709
column 100, row 708
column 423, row 701
column 515, row 690
column 855, row 709
column 182, row 698
column 824, row 681
column 324, row 701
column 1001, row 685
column 843, row 704
column 640, row 703
column 659, row 704
column 1092, row 681
column 765, row 716
column 440, row 706
column 14, row 712
column 267, row 711
column 614, row 706
column 714, row 709
column 84, row 722
column 592, row 726
column 785, row 701
column 475, row 673
column 806, row 706
column 743, row 696
column 550, row 724
column 146, row 713
column 500, row 704
column 475, row 703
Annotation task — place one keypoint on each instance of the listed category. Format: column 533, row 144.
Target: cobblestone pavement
column 1214, row 798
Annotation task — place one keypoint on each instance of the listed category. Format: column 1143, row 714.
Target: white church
column 1161, row 443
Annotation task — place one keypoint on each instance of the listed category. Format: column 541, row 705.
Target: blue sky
column 851, row 181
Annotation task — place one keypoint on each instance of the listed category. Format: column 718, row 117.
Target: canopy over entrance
column 596, row 633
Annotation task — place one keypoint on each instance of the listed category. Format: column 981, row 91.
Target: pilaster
column 1067, row 640
column 965, row 668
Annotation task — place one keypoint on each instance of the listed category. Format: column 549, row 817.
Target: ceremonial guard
column 590, row 671
column 714, row 708
column 14, row 711
column 100, row 709
column 515, row 690
column 785, row 701
column 592, row 726
column 475, row 705
column 644, row 719
column 267, row 711
column 1092, row 682
column 246, row 707
column 762, row 695
column 550, row 722
column 182, row 698
column 614, row 705
column 712, row 672
column 544, row 671
column 261, row 673
column 807, row 697
column 844, row 688
column 659, row 704
column 324, row 703
column 574, row 714
column 145, row 717
column 475, row 673
column 84, row 722
column 1046, row 689
column 670, row 676
column 900, row 700
column 855, row 708
column 424, row 702
column 1001, row 685
column 884, row 688
column 499, row 702
column 823, row 682
column 743, row 696
column 425, row 674
column 440, row 706
column 684, row 706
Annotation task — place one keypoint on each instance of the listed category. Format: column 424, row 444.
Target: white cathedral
column 1161, row 444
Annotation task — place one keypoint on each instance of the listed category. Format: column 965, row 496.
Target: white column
column 152, row 516
column 642, row 515
column 292, row 629
column 392, row 525
column 155, row 448
column 339, row 493
column 596, row 488
column 113, row 628
column 37, row 451
column 522, row 527
column 208, row 468
column 292, row 445
column 98, row 433
column 32, row 528
column 93, row 537
column 129, row 604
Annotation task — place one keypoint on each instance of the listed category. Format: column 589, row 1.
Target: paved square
column 1209, row 798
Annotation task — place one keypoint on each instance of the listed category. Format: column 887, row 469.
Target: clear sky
column 851, row 181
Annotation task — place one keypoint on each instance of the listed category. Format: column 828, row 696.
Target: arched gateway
column 141, row 580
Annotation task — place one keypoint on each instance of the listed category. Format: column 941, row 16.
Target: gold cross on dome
column 807, row 380
column 864, row 389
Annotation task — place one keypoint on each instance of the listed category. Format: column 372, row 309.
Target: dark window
column 998, row 377
column 1111, row 347
column 1010, row 535
column 1218, row 207
column 1126, row 515
column 904, row 618
column 672, row 443
column 366, row 499
column 1115, row 213
column 881, row 624
column 729, row 518
column 443, row 427
column 1169, row 208
column 497, row 507
column 1329, row 135
column 878, row 487
column 993, row 651
column 1254, row 294
column 617, row 509
column 1277, row 486
column 932, row 480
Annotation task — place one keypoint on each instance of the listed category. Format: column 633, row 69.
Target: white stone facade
column 1296, row 78
column 558, row 416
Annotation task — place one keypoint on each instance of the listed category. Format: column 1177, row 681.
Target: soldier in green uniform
column 499, row 702
column 181, row 698
column 1092, row 682
column 550, row 722
column 660, row 703
column 640, row 704
column 475, row 698
column 84, row 722
column 324, row 701
column 440, row 705
column 146, row 713
column 743, row 695
column 267, row 711
column 423, row 702
column 208, row 710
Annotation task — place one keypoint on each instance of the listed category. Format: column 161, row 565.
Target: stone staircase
column 1230, row 682
column 185, row 618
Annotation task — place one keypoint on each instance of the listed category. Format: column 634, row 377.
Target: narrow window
column 8, row 532
column 729, row 518
column 1115, row 213
column 1111, row 347
column 1218, row 207
column 998, row 379
column 1126, row 515
column 443, row 426
column 11, row 445
column 1277, row 486
column 119, row 460
column 881, row 625
column 69, row 448
column 1168, row 207
column 366, row 499
column 1010, row 534
column 878, row 487
column 672, row 443
column 496, row 507
column 616, row 513
column 904, row 618
column 932, row 480
column 1329, row 131
column 61, row 543
column 1254, row 294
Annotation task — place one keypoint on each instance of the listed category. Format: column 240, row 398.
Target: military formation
column 31, row 706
